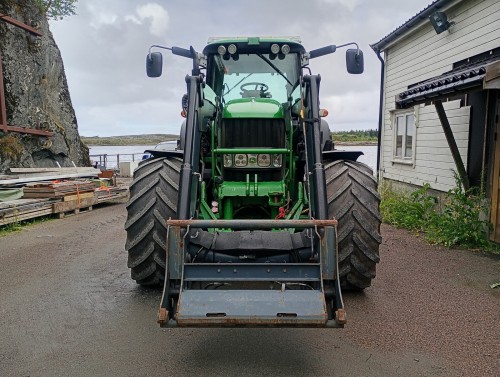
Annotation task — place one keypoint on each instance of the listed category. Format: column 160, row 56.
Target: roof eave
column 414, row 22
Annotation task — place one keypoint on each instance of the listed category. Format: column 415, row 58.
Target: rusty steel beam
column 17, row 23
column 3, row 114
column 252, row 224
column 26, row 130
column 3, row 108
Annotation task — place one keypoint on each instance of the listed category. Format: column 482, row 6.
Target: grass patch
column 459, row 219
column 21, row 225
column 11, row 147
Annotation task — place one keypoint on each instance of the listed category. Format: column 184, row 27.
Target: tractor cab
column 254, row 68
column 255, row 81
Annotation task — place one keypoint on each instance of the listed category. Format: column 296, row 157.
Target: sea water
column 135, row 152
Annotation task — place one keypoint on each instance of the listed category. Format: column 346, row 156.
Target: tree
column 58, row 9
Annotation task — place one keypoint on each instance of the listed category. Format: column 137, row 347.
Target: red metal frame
column 3, row 108
column 17, row 23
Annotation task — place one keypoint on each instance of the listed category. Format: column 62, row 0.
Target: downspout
column 380, row 108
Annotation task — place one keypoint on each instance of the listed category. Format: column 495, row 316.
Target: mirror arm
column 349, row 44
column 175, row 50
column 157, row 46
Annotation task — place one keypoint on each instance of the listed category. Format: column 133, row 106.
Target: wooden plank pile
column 24, row 209
column 20, row 176
column 74, row 206
column 75, row 195
column 106, row 194
column 58, row 189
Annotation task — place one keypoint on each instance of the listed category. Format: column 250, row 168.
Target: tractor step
column 251, row 308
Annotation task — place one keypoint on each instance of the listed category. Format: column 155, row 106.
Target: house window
column 405, row 125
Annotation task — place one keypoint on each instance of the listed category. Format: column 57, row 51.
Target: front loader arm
column 190, row 167
column 314, row 161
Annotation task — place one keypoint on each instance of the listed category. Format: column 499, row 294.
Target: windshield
column 257, row 75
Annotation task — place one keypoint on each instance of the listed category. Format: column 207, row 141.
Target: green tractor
column 256, row 220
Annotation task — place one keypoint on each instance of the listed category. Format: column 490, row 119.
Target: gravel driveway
column 69, row 308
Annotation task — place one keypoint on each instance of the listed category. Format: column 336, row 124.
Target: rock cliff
column 36, row 94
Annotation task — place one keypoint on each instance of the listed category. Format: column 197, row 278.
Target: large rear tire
column 153, row 199
column 354, row 201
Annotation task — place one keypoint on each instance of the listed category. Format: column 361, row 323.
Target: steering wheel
column 256, row 85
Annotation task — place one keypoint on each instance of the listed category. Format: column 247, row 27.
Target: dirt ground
column 69, row 308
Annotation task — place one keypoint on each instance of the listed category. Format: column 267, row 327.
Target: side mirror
column 154, row 64
column 354, row 61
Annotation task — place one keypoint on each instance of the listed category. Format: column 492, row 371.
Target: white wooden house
column 440, row 99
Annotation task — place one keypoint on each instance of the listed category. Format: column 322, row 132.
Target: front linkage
column 186, row 301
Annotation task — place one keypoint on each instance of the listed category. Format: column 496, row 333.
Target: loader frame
column 326, row 299
column 322, row 307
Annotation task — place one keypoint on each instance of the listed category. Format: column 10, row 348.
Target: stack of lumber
column 47, row 192
column 58, row 189
column 105, row 194
column 24, row 209
column 19, row 176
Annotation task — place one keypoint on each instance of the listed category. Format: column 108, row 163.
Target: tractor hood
column 253, row 108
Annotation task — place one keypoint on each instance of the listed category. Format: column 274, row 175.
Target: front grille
column 253, row 133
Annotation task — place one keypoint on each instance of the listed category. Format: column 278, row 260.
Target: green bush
column 414, row 211
column 460, row 219
column 463, row 219
column 355, row 136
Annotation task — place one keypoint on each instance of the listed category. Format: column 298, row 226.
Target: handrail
column 112, row 161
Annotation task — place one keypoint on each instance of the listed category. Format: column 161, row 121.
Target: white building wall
column 422, row 55
column 433, row 161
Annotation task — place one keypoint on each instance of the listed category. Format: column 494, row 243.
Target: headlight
column 275, row 48
column 277, row 158
column 231, row 49
column 264, row 160
column 285, row 49
column 240, row 160
column 221, row 50
column 228, row 160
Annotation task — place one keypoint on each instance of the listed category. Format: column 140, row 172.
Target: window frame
column 404, row 114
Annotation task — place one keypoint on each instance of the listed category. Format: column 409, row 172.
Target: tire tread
column 354, row 201
column 153, row 200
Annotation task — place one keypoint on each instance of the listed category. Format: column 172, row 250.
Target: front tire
column 354, row 201
column 153, row 200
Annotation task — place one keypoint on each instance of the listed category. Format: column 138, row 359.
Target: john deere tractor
column 256, row 220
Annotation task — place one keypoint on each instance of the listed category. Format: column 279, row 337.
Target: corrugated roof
column 421, row 16
column 460, row 79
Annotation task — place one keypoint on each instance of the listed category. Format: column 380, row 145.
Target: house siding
column 419, row 56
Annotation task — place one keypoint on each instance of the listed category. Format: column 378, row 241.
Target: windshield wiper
column 275, row 68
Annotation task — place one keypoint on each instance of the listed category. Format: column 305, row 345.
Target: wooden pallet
column 74, row 206
column 76, row 211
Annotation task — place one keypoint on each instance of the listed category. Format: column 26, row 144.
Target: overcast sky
column 104, row 48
